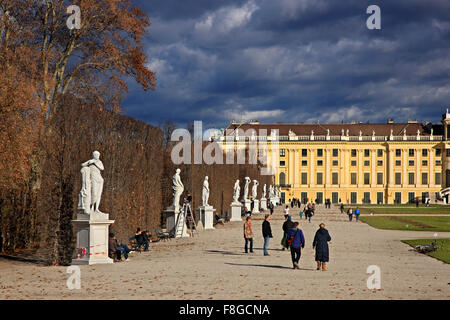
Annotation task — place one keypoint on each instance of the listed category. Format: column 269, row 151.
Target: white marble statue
column 247, row 183
column 279, row 192
column 271, row 192
column 236, row 191
column 264, row 191
column 178, row 189
column 205, row 192
column 255, row 189
column 91, row 184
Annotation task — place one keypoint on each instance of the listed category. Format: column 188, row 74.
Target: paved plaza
column 213, row 265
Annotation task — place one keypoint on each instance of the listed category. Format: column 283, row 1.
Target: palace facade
column 352, row 162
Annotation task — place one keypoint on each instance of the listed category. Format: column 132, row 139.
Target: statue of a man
column 264, row 191
column 178, row 189
column 237, row 191
column 247, row 183
column 91, row 184
column 205, row 192
column 255, row 189
column 271, row 192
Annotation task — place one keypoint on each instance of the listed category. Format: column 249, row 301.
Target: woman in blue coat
column 320, row 243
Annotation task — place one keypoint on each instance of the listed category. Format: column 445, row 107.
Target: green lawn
column 405, row 210
column 396, row 205
column 442, row 253
column 419, row 223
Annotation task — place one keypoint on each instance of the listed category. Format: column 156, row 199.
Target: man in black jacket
column 288, row 224
column 267, row 233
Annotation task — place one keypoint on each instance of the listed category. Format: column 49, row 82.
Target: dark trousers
column 295, row 254
column 350, row 217
column 247, row 240
column 125, row 250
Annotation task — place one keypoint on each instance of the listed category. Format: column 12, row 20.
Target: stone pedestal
column 263, row 204
column 171, row 220
column 255, row 206
column 206, row 214
column 274, row 201
column 236, row 208
column 92, row 238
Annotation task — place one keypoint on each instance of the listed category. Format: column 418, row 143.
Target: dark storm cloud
column 295, row 61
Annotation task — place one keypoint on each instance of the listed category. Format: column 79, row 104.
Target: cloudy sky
column 294, row 61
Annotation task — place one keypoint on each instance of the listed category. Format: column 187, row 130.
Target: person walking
column 342, row 208
column 296, row 241
column 300, row 213
column 248, row 234
column 357, row 213
column 267, row 233
column 320, row 243
column 286, row 211
column 271, row 207
column 288, row 224
column 350, row 213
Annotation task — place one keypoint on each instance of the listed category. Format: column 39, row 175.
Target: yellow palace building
column 353, row 162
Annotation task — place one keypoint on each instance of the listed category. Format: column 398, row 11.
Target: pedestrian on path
column 248, row 234
column 286, row 211
column 342, row 208
column 296, row 241
column 357, row 213
column 267, row 233
column 288, row 224
column 350, row 213
column 320, row 243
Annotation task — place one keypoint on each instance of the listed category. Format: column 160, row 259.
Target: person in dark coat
column 296, row 241
column 267, row 233
column 288, row 224
column 320, row 243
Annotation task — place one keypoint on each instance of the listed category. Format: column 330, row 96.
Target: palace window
column 304, row 163
column 304, row 152
column 411, row 162
column 353, row 152
column 319, row 178
column 411, row 178
column 366, row 152
column 398, row 152
column 366, row 163
column 319, row 163
column 320, row 152
column 411, row 152
column 282, row 152
column 282, row 178
column 379, row 177
column 304, row 177
column 398, row 178
column 282, row 163
column 380, row 152
column 366, row 178
column 334, row 178
column 353, row 178
column 424, row 178
column 353, row 163
column 380, row 163
column 335, row 152
column 438, row 152
column 335, row 163
column 437, row 178
column 424, row 162
column 438, row 162
column 398, row 163
column 448, row 152
column 424, row 152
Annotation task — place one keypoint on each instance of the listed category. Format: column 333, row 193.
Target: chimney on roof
column 412, row 121
column 254, row 122
column 390, row 121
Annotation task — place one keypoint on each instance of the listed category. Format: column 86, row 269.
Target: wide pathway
column 214, row 266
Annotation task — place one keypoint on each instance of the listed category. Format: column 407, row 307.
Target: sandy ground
column 213, row 266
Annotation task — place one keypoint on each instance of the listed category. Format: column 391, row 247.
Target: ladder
column 181, row 223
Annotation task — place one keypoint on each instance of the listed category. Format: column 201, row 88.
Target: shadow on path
column 264, row 265
column 225, row 252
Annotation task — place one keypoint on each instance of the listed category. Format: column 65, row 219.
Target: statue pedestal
column 263, row 204
column 92, row 238
column 206, row 214
column 255, row 206
column 274, row 201
column 236, row 208
column 171, row 220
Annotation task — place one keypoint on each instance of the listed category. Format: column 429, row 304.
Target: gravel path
column 213, row 266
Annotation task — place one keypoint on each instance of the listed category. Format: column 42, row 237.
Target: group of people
column 293, row 239
column 142, row 239
column 351, row 212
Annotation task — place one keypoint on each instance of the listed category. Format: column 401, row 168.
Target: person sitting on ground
column 296, row 241
column 142, row 239
column 113, row 250
column 288, row 224
column 320, row 243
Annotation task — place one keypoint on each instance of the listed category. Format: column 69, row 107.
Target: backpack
column 291, row 238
